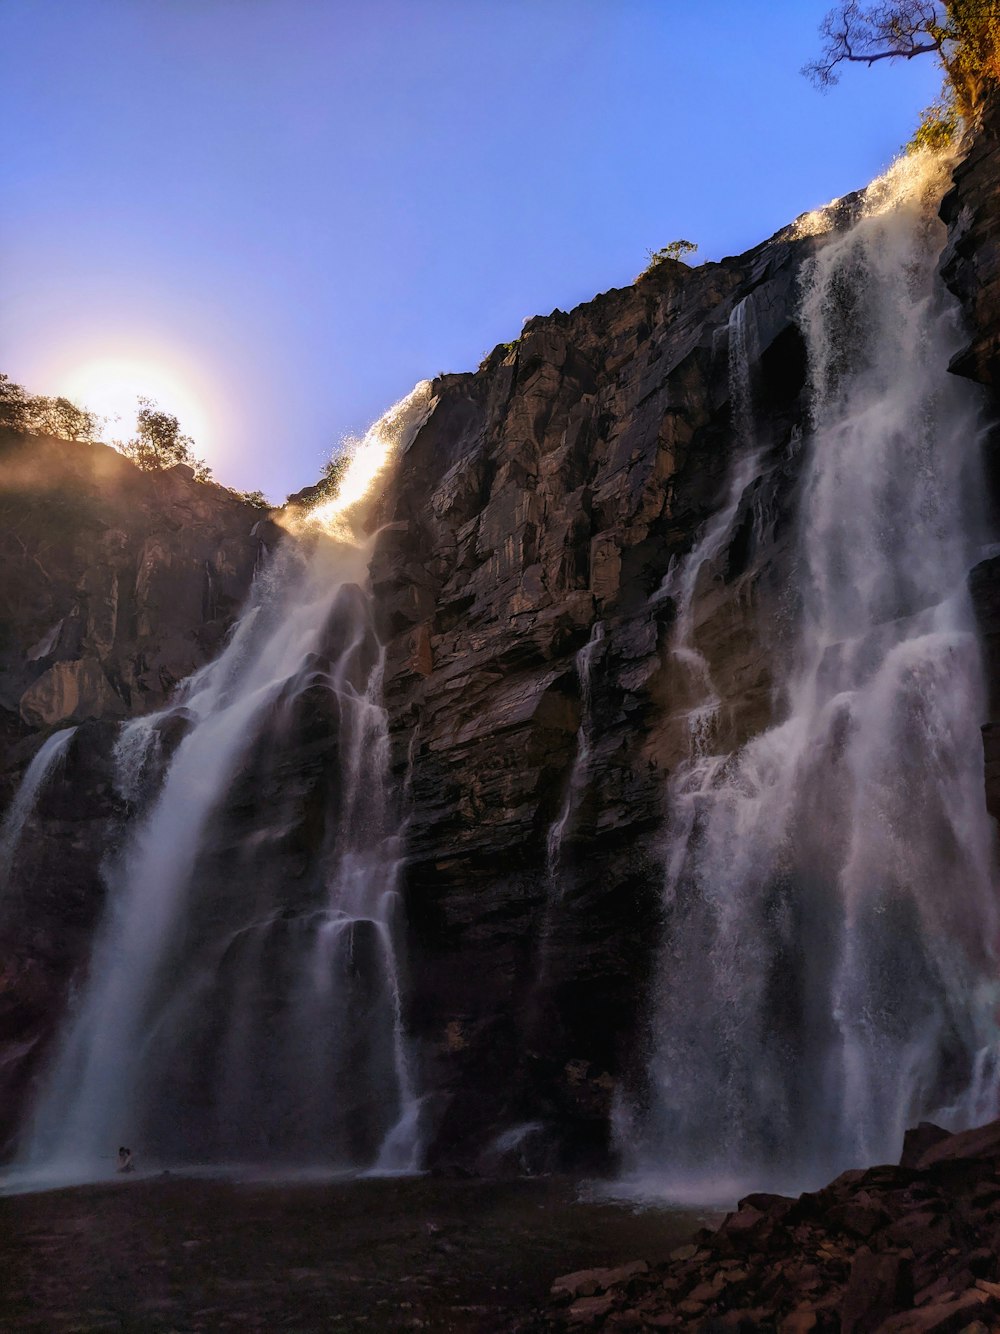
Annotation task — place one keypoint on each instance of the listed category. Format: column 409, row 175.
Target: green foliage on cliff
column 12, row 404
column 938, row 126
column 158, row 442
column 971, row 52
column 327, row 486
column 674, row 251
column 500, row 353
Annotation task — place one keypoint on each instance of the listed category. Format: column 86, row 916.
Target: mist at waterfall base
column 828, row 975
column 227, row 1017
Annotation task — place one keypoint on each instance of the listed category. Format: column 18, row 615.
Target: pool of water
column 190, row 1253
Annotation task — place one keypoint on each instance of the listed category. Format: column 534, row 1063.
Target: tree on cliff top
column 158, row 443
column 58, row 416
column 964, row 35
column 36, row 414
column 672, row 252
column 13, row 405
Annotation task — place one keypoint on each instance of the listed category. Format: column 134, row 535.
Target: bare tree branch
column 864, row 35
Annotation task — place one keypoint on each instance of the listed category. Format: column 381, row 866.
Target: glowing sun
column 110, row 387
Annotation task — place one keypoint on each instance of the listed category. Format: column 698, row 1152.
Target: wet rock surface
column 905, row 1249
column 971, row 263
column 449, row 1257
column 549, row 492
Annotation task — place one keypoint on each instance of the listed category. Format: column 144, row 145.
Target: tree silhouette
column 158, row 443
column 964, row 35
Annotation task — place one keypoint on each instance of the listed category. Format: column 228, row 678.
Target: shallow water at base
column 452, row 1256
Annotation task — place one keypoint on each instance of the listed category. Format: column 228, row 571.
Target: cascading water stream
column 36, row 776
column 579, row 773
column 557, row 873
column 682, row 581
column 224, row 1019
column 828, row 975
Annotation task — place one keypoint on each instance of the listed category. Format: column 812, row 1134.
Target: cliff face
column 971, row 268
column 548, row 495
column 114, row 585
column 535, row 707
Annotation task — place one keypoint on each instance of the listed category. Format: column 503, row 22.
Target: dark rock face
column 115, row 584
column 971, row 263
column 548, row 493
column 971, row 268
column 902, row 1250
column 51, row 906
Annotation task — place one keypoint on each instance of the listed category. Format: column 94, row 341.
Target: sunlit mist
column 911, row 179
column 370, row 458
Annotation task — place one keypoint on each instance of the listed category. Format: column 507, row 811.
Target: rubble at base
column 908, row 1249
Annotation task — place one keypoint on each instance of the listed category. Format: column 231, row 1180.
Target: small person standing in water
column 125, row 1163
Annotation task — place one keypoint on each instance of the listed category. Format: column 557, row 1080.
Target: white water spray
column 828, row 975
column 241, row 1021
column 136, row 758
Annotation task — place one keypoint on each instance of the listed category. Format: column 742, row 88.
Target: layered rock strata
column 116, row 583
column 551, row 492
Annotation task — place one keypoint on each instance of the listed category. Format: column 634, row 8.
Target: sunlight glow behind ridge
column 111, row 386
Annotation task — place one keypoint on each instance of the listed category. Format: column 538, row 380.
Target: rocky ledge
column 115, row 585
column 908, row 1249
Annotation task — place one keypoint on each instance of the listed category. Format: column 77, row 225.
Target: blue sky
column 298, row 208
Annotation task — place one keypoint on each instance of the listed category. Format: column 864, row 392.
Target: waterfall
column 563, row 824
column 828, row 974
column 227, row 1016
column 136, row 758
column 683, row 579
column 23, row 803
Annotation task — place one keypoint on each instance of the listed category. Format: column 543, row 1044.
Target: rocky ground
column 908, row 1249
column 442, row 1255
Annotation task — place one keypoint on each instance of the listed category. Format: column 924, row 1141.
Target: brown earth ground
column 185, row 1254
